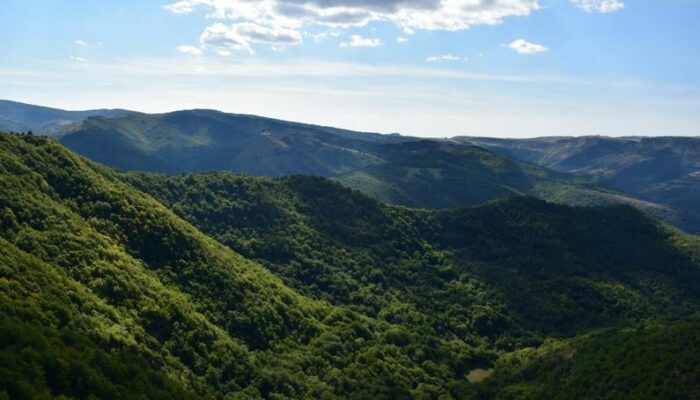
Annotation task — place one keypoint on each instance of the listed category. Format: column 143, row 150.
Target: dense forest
column 219, row 285
column 402, row 170
column 663, row 170
column 511, row 270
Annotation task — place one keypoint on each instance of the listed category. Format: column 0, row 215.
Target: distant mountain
column 438, row 174
column 663, row 170
column 20, row 117
column 203, row 140
column 402, row 170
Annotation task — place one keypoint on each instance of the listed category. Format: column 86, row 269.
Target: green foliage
column 504, row 274
column 661, row 171
column 401, row 170
column 118, row 269
column 39, row 362
column 311, row 290
column 646, row 362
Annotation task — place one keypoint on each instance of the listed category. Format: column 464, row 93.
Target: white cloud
column 80, row 42
column 75, row 58
column 409, row 15
column 359, row 41
column 522, row 46
column 182, row 7
column 601, row 6
column 401, row 39
column 190, row 50
column 446, row 57
column 241, row 36
column 324, row 35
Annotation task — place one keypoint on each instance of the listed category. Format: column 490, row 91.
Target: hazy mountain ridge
column 20, row 117
column 203, row 140
column 402, row 170
column 664, row 170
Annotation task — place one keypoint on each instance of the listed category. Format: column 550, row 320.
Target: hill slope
column 508, row 272
column 204, row 140
column 645, row 362
column 20, row 117
column 88, row 261
column 436, row 174
column 405, row 171
column 663, row 170
column 100, row 281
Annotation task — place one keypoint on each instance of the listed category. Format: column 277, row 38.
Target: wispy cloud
column 76, row 58
column 190, row 50
column 178, row 68
column 359, row 41
column 522, row 46
column 318, row 37
column 241, row 36
column 601, row 6
column 445, row 57
column 80, row 42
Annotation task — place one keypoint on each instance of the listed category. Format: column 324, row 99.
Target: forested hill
column 538, row 268
column 20, row 117
column 96, row 274
column 226, row 286
column 401, row 170
column 657, row 175
column 663, row 170
column 205, row 140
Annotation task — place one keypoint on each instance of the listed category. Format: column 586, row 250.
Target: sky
column 433, row 68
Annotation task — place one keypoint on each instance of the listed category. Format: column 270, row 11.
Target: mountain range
column 401, row 170
column 20, row 117
column 221, row 285
column 663, row 170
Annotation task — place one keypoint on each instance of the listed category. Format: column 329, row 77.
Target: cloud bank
column 279, row 23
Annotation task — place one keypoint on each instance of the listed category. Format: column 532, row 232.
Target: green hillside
column 645, row 362
column 432, row 174
column 205, row 140
column 503, row 274
column 401, row 170
column 662, row 170
column 99, row 271
column 303, row 288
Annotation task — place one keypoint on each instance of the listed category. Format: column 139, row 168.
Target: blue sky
column 513, row 68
